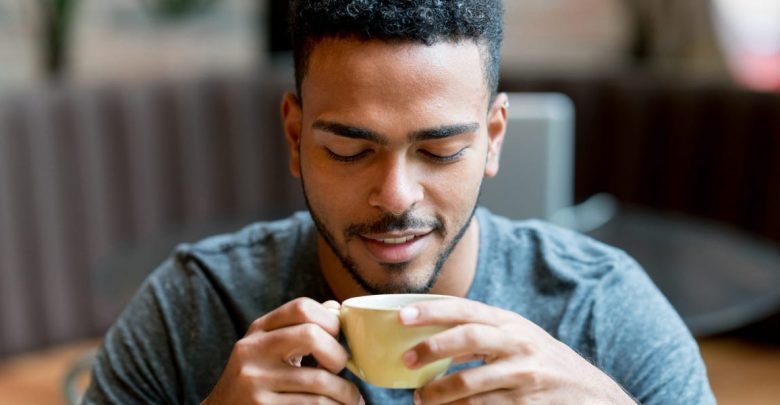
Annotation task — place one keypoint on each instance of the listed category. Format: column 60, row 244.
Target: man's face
column 391, row 144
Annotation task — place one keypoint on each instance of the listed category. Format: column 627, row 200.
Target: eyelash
column 436, row 158
column 347, row 159
column 444, row 159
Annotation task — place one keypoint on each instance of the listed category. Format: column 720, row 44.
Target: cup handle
column 351, row 366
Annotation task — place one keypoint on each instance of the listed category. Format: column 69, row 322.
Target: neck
column 456, row 277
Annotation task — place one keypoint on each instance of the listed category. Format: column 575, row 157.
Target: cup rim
column 367, row 302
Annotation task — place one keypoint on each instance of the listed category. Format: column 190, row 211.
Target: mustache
column 389, row 223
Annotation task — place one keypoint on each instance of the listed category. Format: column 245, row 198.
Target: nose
column 398, row 188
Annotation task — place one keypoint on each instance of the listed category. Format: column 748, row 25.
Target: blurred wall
column 19, row 37
column 566, row 36
column 99, row 183
column 126, row 40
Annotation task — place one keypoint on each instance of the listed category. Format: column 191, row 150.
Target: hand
column 265, row 365
column 523, row 363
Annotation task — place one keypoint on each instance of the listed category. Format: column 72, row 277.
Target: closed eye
column 347, row 158
column 443, row 158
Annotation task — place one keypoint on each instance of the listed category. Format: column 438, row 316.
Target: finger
column 463, row 341
column 331, row 304
column 301, row 340
column 298, row 311
column 454, row 311
column 292, row 399
column 475, row 384
column 317, row 382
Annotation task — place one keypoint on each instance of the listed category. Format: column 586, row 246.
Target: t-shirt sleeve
column 645, row 342
column 156, row 352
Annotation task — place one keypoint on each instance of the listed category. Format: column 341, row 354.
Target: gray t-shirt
column 172, row 342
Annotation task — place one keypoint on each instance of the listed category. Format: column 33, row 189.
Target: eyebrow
column 349, row 131
column 445, row 131
column 441, row 132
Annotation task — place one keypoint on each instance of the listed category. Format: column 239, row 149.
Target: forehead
column 343, row 73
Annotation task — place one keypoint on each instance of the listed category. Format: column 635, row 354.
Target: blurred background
column 129, row 126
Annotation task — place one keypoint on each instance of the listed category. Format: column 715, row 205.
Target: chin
column 400, row 289
column 395, row 283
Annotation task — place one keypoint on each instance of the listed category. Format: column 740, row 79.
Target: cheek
column 329, row 192
column 455, row 191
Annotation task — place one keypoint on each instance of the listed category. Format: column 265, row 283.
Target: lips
column 396, row 248
column 395, row 241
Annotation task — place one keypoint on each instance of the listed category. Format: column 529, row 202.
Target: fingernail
column 409, row 314
column 417, row 400
column 410, row 358
column 362, row 401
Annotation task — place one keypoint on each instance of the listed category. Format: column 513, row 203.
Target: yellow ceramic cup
column 377, row 340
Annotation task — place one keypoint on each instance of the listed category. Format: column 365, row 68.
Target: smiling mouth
column 398, row 248
column 395, row 241
column 398, row 237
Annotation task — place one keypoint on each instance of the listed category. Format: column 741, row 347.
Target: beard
column 387, row 223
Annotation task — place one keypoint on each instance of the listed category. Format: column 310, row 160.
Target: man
column 394, row 124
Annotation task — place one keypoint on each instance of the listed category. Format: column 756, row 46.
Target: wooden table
column 740, row 373
column 37, row 378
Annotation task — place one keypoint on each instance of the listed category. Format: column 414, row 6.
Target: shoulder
column 250, row 271
column 599, row 301
column 259, row 234
column 204, row 295
column 553, row 276
column 239, row 270
column 561, row 252
column 258, row 243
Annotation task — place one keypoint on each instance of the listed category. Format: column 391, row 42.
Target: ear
column 291, row 119
column 496, row 127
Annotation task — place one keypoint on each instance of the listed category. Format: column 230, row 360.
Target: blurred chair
column 719, row 279
column 536, row 175
column 536, row 172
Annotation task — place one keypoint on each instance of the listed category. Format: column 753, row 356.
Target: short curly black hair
column 423, row 21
